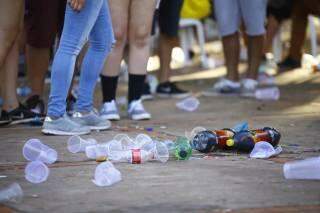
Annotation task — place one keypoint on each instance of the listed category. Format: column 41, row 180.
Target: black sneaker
column 288, row 64
column 146, row 93
column 168, row 89
column 23, row 115
column 35, row 104
column 4, row 118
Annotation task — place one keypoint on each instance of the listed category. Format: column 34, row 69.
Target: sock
column 135, row 87
column 109, row 87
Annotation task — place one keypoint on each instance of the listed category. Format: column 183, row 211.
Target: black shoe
column 35, row 104
column 146, row 93
column 288, row 64
column 169, row 89
column 4, row 118
column 23, row 115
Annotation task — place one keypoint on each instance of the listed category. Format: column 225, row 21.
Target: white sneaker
column 223, row 86
column 109, row 111
column 248, row 87
column 136, row 111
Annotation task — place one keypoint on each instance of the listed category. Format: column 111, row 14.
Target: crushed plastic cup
column 189, row 104
column 125, row 141
column 36, row 172
column 308, row 169
column 77, row 144
column 194, row 132
column 161, row 152
column 268, row 94
column 264, row 150
column 106, row 175
column 142, row 139
column 34, row 150
column 11, row 193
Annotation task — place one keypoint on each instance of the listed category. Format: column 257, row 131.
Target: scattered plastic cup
column 77, row 144
column 142, row 139
column 106, row 174
column 125, row 141
column 194, row 132
column 189, row 104
column 34, row 150
column 161, row 152
column 264, row 150
column 268, row 94
column 11, row 193
column 97, row 151
column 308, row 169
column 36, row 172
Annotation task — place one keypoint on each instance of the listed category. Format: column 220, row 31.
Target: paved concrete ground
column 224, row 182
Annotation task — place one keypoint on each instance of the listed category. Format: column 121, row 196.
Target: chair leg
column 201, row 40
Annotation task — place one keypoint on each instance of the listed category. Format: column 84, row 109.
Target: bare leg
column 139, row 35
column 10, row 18
column 37, row 66
column 10, row 78
column 119, row 13
column 165, row 49
column 272, row 29
column 255, row 47
column 231, row 50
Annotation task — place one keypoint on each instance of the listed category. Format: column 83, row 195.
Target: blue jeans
column 92, row 23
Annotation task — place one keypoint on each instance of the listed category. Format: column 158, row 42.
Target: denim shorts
column 230, row 14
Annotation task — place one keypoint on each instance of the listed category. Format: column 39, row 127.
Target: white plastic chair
column 187, row 39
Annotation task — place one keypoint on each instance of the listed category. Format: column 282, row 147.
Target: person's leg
column 140, row 23
column 10, row 75
column 101, row 41
column 77, row 27
column 109, row 79
column 273, row 26
column 10, row 16
column 169, row 17
column 254, row 14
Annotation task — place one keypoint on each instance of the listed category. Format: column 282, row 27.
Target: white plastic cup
column 77, row 144
column 34, row 150
column 268, row 94
column 125, row 141
column 262, row 150
column 36, row 172
column 189, row 104
column 106, row 174
column 97, row 151
column 11, row 193
column 142, row 140
column 161, row 152
column 194, row 132
column 308, row 169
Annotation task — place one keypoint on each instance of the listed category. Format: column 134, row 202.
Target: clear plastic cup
column 308, row 169
column 189, row 104
column 36, row 172
column 161, row 152
column 141, row 140
column 106, row 174
column 125, row 141
column 262, row 150
column 77, row 144
column 11, row 193
column 268, row 94
column 34, row 150
column 97, row 151
column 194, row 132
